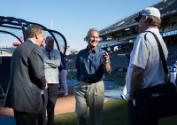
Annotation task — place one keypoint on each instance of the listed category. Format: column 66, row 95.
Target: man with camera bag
column 147, row 71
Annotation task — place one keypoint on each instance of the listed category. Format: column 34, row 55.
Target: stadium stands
column 120, row 36
column 128, row 27
column 126, row 30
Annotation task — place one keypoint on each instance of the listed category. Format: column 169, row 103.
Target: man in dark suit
column 27, row 78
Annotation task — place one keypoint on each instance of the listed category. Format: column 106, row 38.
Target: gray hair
column 89, row 32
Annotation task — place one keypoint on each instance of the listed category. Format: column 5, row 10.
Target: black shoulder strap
column 161, row 53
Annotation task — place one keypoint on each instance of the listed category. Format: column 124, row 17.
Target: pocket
column 32, row 99
column 36, row 99
column 99, row 89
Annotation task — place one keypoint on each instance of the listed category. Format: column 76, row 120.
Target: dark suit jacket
column 26, row 79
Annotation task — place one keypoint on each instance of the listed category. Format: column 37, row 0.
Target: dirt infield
column 63, row 105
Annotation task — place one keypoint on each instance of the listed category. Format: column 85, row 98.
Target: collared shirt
column 145, row 54
column 89, row 65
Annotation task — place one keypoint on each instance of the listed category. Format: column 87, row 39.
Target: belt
column 91, row 81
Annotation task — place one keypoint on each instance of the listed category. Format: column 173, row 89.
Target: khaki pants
column 89, row 96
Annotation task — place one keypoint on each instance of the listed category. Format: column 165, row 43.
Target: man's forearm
column 53, row 63
column 107, row 67
column 134, row 85
column 136, row 78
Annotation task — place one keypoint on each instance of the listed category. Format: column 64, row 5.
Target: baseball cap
column 149, row 11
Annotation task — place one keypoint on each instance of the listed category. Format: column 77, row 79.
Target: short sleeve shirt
column 145, row 54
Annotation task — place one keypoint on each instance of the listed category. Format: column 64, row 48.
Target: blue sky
column 73, row 18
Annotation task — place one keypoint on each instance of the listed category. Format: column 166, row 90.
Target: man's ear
column 36, row 36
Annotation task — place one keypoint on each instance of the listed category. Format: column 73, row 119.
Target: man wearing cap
column 145, row 68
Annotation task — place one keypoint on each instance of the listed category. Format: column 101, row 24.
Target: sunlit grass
column 115, row 113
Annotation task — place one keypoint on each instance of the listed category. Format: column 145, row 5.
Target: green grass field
column 115, row 113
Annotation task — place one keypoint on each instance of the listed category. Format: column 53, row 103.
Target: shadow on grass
column 115, row 113
column 66, row 119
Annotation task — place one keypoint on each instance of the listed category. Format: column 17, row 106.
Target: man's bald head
column 49, row 42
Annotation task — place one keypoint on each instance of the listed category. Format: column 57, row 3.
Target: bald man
column 52, row 62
